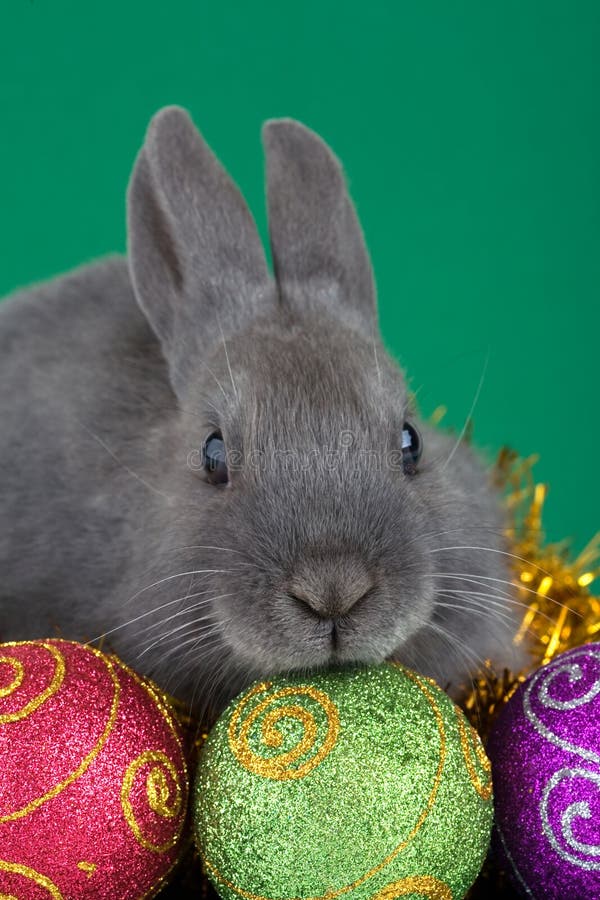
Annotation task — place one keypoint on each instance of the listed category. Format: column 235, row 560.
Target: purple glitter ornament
column 545, row 753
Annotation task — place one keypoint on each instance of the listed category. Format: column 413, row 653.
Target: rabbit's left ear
column 319, row 253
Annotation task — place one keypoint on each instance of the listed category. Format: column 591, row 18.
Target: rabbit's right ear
column 197, row 263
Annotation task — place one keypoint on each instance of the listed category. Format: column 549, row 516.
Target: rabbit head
column 326, row 522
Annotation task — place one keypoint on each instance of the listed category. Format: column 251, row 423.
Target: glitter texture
column 559, row 610
column 373, row 784
column 93, row 779
column 545, row 751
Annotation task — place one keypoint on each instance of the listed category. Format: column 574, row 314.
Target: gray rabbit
column 222, row 471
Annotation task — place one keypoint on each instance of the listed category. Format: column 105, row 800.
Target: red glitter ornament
column 93, row 778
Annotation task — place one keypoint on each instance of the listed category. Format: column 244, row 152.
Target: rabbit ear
column 319, row 253
column 197, row 263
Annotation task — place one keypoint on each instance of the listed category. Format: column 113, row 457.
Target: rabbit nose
column 331, row 592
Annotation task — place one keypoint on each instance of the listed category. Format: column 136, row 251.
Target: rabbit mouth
column 297, row 633
column 338, row 642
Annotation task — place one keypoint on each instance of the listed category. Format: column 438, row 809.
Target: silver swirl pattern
column 570, row 781
column 588, row 854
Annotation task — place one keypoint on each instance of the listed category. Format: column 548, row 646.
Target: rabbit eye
column 412, row 447
column 214, row 459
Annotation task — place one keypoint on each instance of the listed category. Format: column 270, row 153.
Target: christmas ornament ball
column 545, row 753
column 353, row 783
column 93, row 779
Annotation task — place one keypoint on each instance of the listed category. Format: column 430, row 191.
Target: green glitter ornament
column 362, row 783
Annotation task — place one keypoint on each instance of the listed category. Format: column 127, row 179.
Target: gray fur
column 105, row 403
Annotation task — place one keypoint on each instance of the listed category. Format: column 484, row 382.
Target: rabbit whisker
column 520, row 587
column 495, row 599
column 155, row 609
column 186, row 609
column 168, row 497
column 478, row 529
column 222, row 389
column 208, row 547
column 377, row 369
column 227, row 358
column 473, row 659
column 210, row 648
column 465, row 578
column 179, row 575
column 490, row 550
column 478, row 607
column 515, row 603
column 187, row 626
column 471, row 411
column 458, row 649
column 217, row 679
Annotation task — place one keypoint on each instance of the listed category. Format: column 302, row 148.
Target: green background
column 470, row 134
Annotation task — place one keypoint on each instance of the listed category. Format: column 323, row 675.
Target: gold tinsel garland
column 560, row 611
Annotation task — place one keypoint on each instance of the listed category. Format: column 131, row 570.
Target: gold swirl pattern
column 32, row 875
column 472, row 749
column 158, row 792
column 159, row 700
column 18, row 668
column 157, row 784
column 94, row 752
column 426, row 885
column 87, row 867
column 18, row 676
column 423, row 685
column 158, row 795
column 281, row 767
